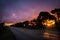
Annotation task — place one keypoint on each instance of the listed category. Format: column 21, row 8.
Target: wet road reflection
column 28, row 34
column 50, row 35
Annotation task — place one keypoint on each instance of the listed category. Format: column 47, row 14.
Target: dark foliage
column 42, row 16
column 4, row 32
column 56, row 11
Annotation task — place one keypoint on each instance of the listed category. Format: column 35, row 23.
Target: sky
column 23, row 10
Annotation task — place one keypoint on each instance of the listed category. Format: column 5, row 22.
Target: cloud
column 25, row 8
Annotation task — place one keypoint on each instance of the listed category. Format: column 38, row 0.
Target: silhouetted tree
column 18, row 24
column 45, row 15
column 56, row 11
column 1, row 26
column 52, row 17
column 57, row 26
column 42, row 16
column 33, row 23
column 25, row 23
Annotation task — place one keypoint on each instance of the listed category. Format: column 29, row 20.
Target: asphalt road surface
column 27, row 34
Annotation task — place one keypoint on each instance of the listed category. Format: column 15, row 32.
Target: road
column 27, row 34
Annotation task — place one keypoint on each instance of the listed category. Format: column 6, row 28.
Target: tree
column 51, row 17
column 43, row 15
column 25, row 23
column 33, row 23
column 18, row 24
column 1, row 24
column 56, row 11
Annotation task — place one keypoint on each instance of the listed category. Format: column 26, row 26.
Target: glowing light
column 8, row 24
column 59, row 18
column 50, row 35
column 34, row 23
column 48, row 23
column 46, row 35
column 30, row 24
